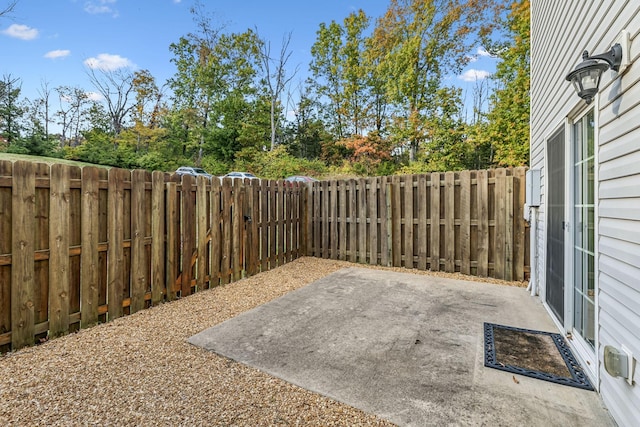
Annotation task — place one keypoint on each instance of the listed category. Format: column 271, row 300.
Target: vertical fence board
column 385, row 221
column 22, row 251
column 342, row 229
column 519, row 237
column 89, row 255
column 264, row 225
column 500, row 221
column 362, row 220
column 449, row 223
column 508, row 231
column 324, row 221
column 138, row 258
column 396, row 222
column 187, row 234
column 465, row 222
column 435, row 222
column 353, row 230
column 373, row 224
column 115, row 234
column 59, row 250
column 237, row 231
column 41, row 243
column 216, row 244
column 158, row 238
column 333, row 218
column 202, row 236
column 172, row 219
column 6, row 170
column 482, row 193
column 422, row 222
column 408, row 221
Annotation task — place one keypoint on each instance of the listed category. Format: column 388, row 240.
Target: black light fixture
column 586, row 76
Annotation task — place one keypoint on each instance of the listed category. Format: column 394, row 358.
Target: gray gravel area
column 140, row 370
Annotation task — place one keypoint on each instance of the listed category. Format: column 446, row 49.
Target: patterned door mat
column 536, row 354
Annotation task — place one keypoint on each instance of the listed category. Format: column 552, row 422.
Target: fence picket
column 434, row 259
column 482, row 201
column 59, row 250
column 158, row 237
column 449, row 223
column 89, row 255
column 22, row 251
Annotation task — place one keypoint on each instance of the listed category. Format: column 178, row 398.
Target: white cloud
column 20, row 31
column 96, row 7
column 59, row 53
column 473, row 75
column 482, row 52
column 108, row 62
column 94, row 96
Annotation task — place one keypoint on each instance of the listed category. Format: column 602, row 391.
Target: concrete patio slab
column 406, row 347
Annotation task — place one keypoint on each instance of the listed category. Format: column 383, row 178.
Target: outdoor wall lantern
column 586, row 76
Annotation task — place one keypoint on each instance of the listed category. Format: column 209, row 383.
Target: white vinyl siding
column 560, row 31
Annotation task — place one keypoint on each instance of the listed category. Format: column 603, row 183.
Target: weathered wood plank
column 273, row 224
column 333, row 218
column 362, row 221
column 508, row 230
column 202, row 236
column 173, row 240
column 41, row 243
column 449, row 223
column 519, row 238
column 324, row 219
column 59, row 250
column 385, row 221
column 238, row 229
column 499, row 257
column 342, row 227
column 353, row 222
column 139, row 270
column 396, row 222
column 434, row 264
column 373, row 220
column 115, row 234
column 158, row 238
column 22, row 251
column 89, row 256
column 216, row 243
column 187, row 234
column 482, row 194
column 408, row 221
column 6, row 172
column 422, row 221
column 465, row 222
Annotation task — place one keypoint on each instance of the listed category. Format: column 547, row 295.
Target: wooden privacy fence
column 81, row 246
column 469, row 222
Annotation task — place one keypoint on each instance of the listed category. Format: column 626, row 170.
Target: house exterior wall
column 560, row 31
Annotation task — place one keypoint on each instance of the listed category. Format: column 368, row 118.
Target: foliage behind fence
column 80, row 246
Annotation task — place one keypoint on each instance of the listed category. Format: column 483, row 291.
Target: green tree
column 507, row 127
column 422, row 41
column 11, row 108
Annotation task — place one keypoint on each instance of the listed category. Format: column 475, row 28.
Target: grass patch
column 48, row 160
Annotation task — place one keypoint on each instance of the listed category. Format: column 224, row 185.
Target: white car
column 188, row 170
column 240, row 175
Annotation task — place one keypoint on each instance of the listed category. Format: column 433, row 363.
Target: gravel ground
column 139, row 369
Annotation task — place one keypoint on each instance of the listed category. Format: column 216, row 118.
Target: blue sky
column 56, row 40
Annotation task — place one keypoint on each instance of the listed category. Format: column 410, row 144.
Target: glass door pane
column 583, row 232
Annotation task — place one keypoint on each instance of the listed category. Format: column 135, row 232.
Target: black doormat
column 536, row 354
